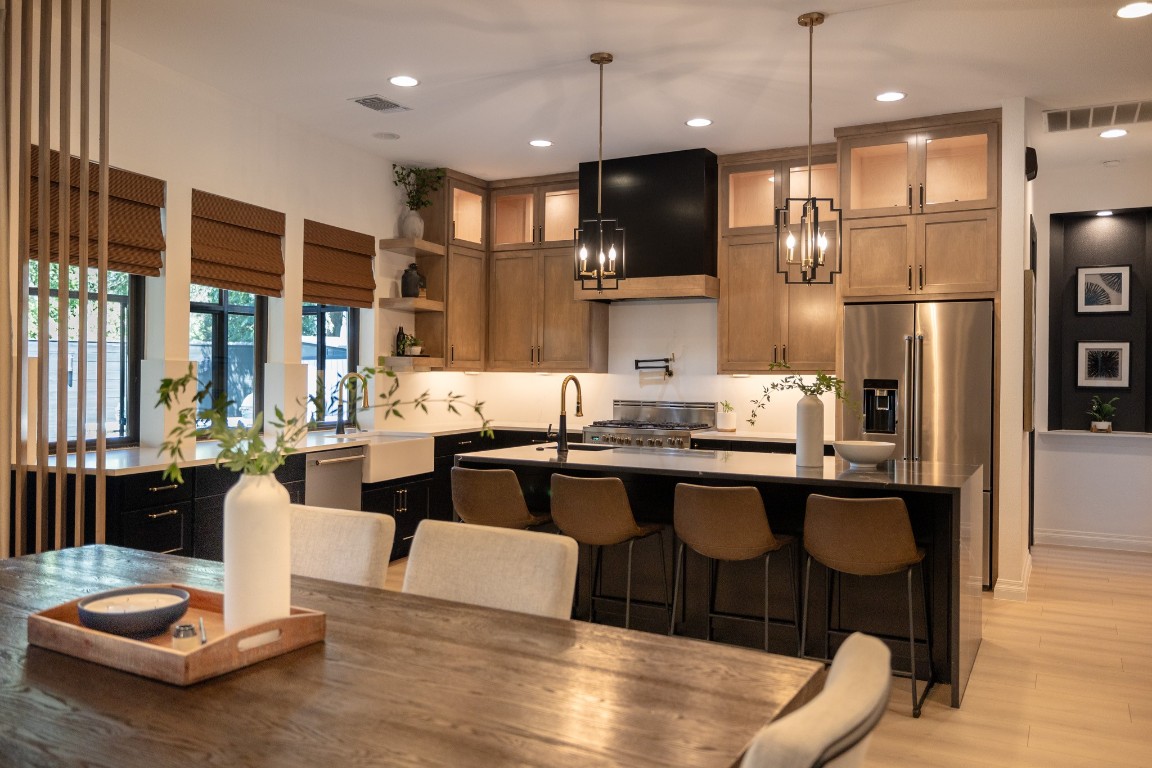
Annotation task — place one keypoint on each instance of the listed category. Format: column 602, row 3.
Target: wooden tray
column 59, row 629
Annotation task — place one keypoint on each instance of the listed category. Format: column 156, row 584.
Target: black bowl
column 142, row 617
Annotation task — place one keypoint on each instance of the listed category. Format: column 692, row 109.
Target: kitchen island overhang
column 944, row 502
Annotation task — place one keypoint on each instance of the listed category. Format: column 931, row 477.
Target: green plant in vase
column 1102, row 413
column 809, row 410
column 418, row 185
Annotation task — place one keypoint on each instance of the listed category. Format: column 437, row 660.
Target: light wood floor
column 1063, row 680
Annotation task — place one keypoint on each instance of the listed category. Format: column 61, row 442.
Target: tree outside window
column 330, row 339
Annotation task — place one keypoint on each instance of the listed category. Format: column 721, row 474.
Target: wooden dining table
column 399, row 680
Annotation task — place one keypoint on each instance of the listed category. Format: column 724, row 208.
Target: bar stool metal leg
column 628, row 588
column 767, row 559
column 677, row 575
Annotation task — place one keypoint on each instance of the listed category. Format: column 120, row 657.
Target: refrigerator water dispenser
column 880, row 406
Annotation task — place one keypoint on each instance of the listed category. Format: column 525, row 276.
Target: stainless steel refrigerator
column 922, row 373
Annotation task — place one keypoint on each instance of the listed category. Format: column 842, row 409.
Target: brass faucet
column 562, row 438
column 340, row 397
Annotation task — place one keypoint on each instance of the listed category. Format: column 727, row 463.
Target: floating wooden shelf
column 411, row 246
column 410, row 363
column 412, row 305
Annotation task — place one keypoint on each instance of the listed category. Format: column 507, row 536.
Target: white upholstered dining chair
column 516, row 570
column 835, row 727
column 341, row 545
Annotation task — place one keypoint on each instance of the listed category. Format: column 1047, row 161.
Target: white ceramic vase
column 810, row 432
column 726, row 421
column 411, row 225
column 257, row 552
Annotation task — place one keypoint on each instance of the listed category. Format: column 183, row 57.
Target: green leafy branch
column 418, row 184
column 822, row 384
column 391, row 403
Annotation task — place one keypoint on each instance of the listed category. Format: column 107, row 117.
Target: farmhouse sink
column 392, row 455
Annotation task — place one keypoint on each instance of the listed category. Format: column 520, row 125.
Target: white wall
column 1091, row 490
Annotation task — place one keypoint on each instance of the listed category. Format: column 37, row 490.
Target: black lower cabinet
column 145, row 511
column 211, row 485
column 750, row 446
column 407, row 500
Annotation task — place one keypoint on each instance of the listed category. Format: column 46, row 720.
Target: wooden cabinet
column 763, row 320
column 942, row 253
column 530, row 213
column 534, row 323
column 406, row 500
column 929, row 169
column 465, row 309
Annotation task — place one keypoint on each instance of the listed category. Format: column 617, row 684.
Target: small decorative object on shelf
column 809, row 411
column 401, row 341
column 411, row 282
column 725, row 417
column 413, row 345
column 418, row 184
column 1102, row 413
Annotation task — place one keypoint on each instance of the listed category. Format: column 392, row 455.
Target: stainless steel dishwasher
column 332, row 478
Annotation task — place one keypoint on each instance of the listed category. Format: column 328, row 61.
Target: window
column 331, row 337
column 227, row 344
column 124, row 344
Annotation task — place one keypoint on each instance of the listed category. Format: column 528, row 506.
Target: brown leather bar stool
column 595, row 511
column 492, row 497
column 729, row 524
column 868, row 537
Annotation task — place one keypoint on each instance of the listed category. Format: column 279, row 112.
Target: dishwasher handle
column 341, row 460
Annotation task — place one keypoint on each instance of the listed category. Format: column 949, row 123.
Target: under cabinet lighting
column 891, row 96
column 1103, row 213
column 1135, row 11
column 698, row 122
column 404, row 81
column 1113, row 133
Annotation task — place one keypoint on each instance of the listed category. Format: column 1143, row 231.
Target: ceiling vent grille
column 380, row 104
column 1104, row 116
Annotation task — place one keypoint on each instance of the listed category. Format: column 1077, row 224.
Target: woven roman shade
column 236, row 246
column 135, row 233
column 338, row 266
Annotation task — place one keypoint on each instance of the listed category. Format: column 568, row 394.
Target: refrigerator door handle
column 918, row 405
column 909, row 398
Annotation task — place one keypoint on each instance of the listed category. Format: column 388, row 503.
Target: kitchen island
column 944, row 502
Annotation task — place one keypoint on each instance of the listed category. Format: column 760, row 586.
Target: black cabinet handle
column 166, row 513
column 159, row 488
column 909, row 277
column 452, row 354
column 921, row 270
column 909, row 198
column 773, row 353
column 785, row 354
column 921, row 198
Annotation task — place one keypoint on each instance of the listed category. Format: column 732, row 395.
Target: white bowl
column 863, row 453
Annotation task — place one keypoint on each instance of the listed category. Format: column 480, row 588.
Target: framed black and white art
column 1102, row 364
column 1102, row 289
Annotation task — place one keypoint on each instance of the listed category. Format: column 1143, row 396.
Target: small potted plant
column 1102, row 413
column 725, row 417
column 413, row 345
column 418, row 185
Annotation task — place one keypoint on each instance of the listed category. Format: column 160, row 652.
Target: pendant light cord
column 600, row 151
column 811, row 33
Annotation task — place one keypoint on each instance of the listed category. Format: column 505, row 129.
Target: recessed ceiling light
column 698, row 122
column 890, row 96
column 1135, row 10
column 1113, row 133
column 540, row 143
column 404, row 81
column 386, row 136
column 1103, row 213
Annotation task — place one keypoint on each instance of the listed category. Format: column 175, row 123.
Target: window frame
column 320, row 310
column 220, row 311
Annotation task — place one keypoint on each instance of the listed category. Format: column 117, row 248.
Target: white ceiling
column 496, row 73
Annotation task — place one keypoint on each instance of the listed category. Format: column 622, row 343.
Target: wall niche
column 1099, row 339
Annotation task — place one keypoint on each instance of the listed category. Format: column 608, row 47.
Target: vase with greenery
column 257, row 519
column 725, row 417
column 418, row 185
column 1102, row 413
column 809, row 410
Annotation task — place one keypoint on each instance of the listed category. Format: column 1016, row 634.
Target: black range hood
column 666, row 204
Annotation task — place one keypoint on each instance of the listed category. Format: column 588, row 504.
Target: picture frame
column 1102, row 364
column 1103, row 290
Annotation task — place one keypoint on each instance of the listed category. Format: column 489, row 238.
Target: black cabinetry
column 145, row 511
column 212, row 483
column 406, row 500
column 751, row 446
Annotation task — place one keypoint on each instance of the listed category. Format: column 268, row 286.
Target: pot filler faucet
column 562, row 438
column 344, row 382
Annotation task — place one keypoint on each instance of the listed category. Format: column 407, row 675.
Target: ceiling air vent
column 380, row 104
column 1104, row 116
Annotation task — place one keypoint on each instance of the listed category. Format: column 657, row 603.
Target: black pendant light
column 599, row 251
column 808, row 228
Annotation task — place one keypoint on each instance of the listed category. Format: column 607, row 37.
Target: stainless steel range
column 648, row 424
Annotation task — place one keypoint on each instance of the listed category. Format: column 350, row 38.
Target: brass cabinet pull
column 921, row 198
column 340, row 460
column 159, row 488
column 909, row 198
column 921, row 270
column 166, row 513
column 909, row 277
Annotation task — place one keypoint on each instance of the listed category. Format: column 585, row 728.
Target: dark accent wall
column 1086, row 240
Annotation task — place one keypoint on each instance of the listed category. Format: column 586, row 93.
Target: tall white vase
column 410, row 224
column 810, row 432
column 257, row 552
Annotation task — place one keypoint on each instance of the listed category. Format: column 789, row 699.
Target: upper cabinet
column 534, row 213
column 935, row 168
column 467, row 213
column 751, row 191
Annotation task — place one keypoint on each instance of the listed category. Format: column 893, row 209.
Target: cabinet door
column 749, row 197
column 571, row 331
column 466, row 206
column 465, row 308
column 166, row 529
column 513, row 311
column 957, row 252
column 878, row 256
column 809, row 319
column 960, row 168
column 559, row 213
column 514, row 223
column 877, row 174
column 748, row 322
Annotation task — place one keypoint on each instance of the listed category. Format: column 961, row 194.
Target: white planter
column 415, row 350
column 257, row 552
column 726, row 422
column 1101, row 426
column 411, row 225
column 810, row 432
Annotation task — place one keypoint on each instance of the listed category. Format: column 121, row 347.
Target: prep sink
column 392, row 455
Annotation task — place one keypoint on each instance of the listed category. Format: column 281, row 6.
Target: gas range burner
column 631, row 424
column 647, row 424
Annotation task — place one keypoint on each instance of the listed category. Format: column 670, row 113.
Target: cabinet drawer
column 164, row 528
column 450, row 445
column 150, row 489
